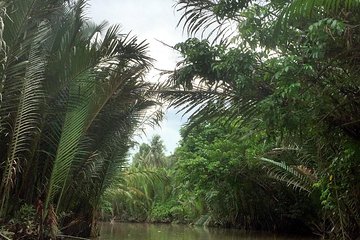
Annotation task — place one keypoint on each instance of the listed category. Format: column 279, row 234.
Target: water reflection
column 141, row 231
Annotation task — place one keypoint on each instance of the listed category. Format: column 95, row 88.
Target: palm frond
column 72, row 131
column 118, row 98
column 204, row 16
column 3, row 52
column 91, row 30
column 27, row 117
column 297, row 9
column 115, row 142
column 290, row 175
column 18, row 39
column 82, row 82
column 138, row 188
column 204, row 104
column 308, row 7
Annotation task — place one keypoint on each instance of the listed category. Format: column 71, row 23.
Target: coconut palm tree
column 150, row 155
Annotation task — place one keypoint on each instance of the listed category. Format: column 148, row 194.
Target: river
column 141, row 231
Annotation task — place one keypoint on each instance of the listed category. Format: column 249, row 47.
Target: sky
column 150, row 20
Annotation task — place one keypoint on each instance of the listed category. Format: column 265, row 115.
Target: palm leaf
column 200, row 16
column 99, row 149
column 72, row 131
column 292, row 176
column 85, row 68
column 307, row 7
column 114, row 142
column 27, row 117
column 204, row 104
column 293, row 10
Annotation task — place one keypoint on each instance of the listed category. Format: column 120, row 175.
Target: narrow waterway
column 140, row 231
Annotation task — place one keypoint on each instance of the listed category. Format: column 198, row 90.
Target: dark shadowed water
column 141, row 231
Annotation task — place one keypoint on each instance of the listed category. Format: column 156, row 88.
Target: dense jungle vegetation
column 72, row 95
column 273, row 138
column 272, row 143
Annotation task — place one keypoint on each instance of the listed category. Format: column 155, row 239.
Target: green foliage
column 167, row 212
column 150, row 155
column 275, row 81
column 216, row 171
column 139, row 191
column 299, row 177
column 71, row 97
column 288, row 71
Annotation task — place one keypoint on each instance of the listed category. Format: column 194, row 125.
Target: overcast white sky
column 150, row 20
